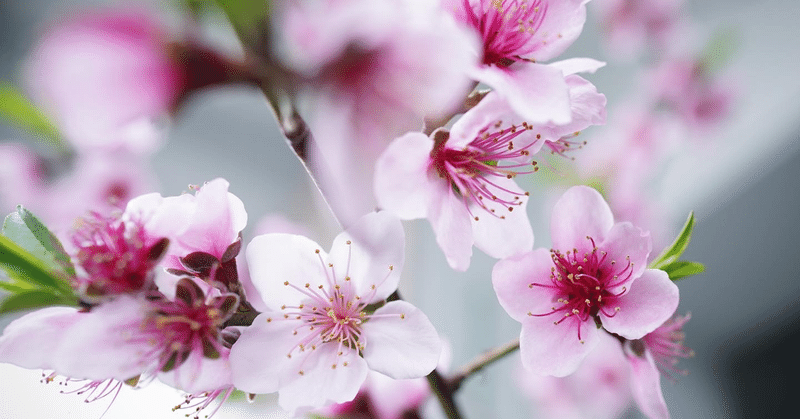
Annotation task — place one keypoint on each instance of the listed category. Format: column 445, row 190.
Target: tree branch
column 481, row 362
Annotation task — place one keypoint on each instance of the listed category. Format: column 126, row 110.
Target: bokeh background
column 745, row 326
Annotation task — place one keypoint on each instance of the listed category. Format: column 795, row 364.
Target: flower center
column 473, row 172
column 506, row 27
column 586, row 285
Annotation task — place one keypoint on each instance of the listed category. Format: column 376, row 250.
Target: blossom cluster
column 400, row 110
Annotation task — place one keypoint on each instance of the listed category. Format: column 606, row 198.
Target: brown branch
column 481, row 362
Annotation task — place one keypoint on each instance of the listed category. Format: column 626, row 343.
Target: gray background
column 744, row 326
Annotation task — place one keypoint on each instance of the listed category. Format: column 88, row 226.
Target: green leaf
column 24, row 267
column 681, row 269
column 674, row 251
column 32, row 299
column 17, row 109
column 27, row 231
column 719, row 50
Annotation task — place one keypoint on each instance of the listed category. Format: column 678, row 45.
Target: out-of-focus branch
column 481, row 362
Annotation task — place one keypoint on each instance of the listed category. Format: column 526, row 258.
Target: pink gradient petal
column 625, row 241
column 580, row 212
column 536, row 92
column 258, row 359
column 650, row 301
column 104, row 343
column 451, row 224
column 554, row 349
column 507, row 236
column 491, row 109
column 276, row 258
column 198, row 374
column 512, row 278
column 402, row 182
column 563, row 23
column 374, row 256
column 578, row 65
column 321, row 382
column 404, row 346
column 646, row 385
column 33, row 341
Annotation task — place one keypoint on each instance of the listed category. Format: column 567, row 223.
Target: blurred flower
column 600, row 388
column 373, row 70
column 630, row 26
column 320, row 336
column 601, row 279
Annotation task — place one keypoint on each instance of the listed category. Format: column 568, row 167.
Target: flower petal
column 507, row 236
column 259, row 358
column 646, row 386
column 374, row 256
column 512, row 279
column 450, row 221
column 401, row 342
column 402, row 184
column 327, row 378
column 578, row 65
column 537, row 92
column 580, row 212
column 554, row 349
column 277, row 258
column 198, row 374
column 33, row 340
column 650, row 301
column 561, row 26
column 625, row 242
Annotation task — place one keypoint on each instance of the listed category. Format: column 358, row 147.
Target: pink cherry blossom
column 630, row 26
column 179, row 339
column 657, row 351
column 600, row 388
column 595, row 274
column 382, row 397
column 317, row 341
column 104, row 77
column 203, row 228
column 373, row 71
column 517, row 35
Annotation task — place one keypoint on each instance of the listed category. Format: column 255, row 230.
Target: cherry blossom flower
column 595, row 275
column 203, row 229
column 373, row 70
column 382, row 397
column 517, row 35
column 600, row 388
column 657, row 351
column 320, row 337
column 104, row 77
column 179, row 339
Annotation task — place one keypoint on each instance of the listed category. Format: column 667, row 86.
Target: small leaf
column 25, row 267
column 47, row 239
column 32, row 299
column 681, row 269
column 250, row 18
column 17, row 109
column 674, row 251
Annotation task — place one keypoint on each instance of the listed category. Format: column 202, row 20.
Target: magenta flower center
column 585, row 285
column 506, row 27
column 473, row 172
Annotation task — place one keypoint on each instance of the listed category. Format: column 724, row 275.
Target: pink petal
column 401, row 342
column 563, row 23
column 554, row 349
column 216, row 222
column 198, row 374
column 451, row 224
column 508, row 236
column 105, row 342
column 258, row 359
column 623, row 242
column 374, row 256
column 321, row 382
column 402, row 184
column 536, row 92
column 650, row 301
column 512, row 278
column 276, row 258
column 646, row 386
column 578, row 65
column 33, row 340
column 580, row 212
column 493, row 108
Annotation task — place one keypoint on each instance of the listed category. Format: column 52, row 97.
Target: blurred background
column 742, row 183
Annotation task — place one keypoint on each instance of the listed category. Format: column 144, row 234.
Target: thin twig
column 444, row 393
column 481, row 362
